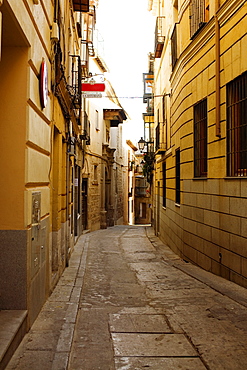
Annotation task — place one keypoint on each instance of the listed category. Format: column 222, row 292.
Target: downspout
column 55, row 11
column 217, row 69
column 67, row 247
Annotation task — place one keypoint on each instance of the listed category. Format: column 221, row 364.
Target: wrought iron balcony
column 67, row 90
column 74, row 87
column 159, row 36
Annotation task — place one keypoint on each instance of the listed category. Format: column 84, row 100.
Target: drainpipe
column 217, row 69
column 67, row 246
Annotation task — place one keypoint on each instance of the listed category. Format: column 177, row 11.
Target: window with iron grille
column 199, row 15
column 164, row 183
column 200, row 139
column 177, row 195
column 236, row 101
column 164, row 120
column 157, row 136
column 174, row 47
column 97, row 120
column 157, row 133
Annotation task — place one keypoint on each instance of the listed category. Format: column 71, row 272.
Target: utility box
column 36, row 244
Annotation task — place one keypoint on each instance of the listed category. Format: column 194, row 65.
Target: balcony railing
column 67, row 89
column 74, row 87
column 159, row 36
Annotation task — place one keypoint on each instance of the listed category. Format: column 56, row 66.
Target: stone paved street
column 127, row 302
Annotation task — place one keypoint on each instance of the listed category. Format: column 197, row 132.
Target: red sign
column 93, row 87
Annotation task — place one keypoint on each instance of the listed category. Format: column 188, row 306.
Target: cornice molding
column 228, row 8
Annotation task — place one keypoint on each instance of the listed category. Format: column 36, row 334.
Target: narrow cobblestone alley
column 127, row 302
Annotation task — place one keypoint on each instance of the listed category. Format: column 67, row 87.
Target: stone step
column 13, row 327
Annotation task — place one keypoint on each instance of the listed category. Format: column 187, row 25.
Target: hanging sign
column 100, row 87
column 43, row 84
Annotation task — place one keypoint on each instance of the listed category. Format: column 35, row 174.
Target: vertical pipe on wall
column 217, row 69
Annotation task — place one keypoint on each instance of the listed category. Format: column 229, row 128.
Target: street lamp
column 141, row 144
column 148, row 163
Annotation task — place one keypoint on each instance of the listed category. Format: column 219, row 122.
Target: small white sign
column 91, row 95
column 76, row 182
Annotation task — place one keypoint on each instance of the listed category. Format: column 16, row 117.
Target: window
column 97, row 120
column 164, row 183
column 141, row 186
column 174, row 47
column 95, row 175
column 200, row 139
column 206, row 10
column 177, row 199
column 236, row 105
column 199, row 15
column 164, row 120
column 157, row 136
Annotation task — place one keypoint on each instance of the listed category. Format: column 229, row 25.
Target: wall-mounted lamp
column 149, row 158
column 55, row 32
column 141, row 144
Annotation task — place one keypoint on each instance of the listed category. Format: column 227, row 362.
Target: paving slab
column 128, row 323
column 158, row 363
column 164, row 345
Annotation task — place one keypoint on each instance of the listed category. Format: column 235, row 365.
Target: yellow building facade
column 200, row 132
column 41, row 154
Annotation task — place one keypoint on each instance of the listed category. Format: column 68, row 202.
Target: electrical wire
column 135, row 97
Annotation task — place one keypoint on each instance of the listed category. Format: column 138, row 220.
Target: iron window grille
column 74, row 87
column 164, row 120
column 199, row 15
column 157, row 132
column 164, row 183
column 200, row 139
column 236, row 105
column 178, row 189
column 157, row 139
column 174, row 45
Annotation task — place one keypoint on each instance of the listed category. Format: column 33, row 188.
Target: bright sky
column 128, row 32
